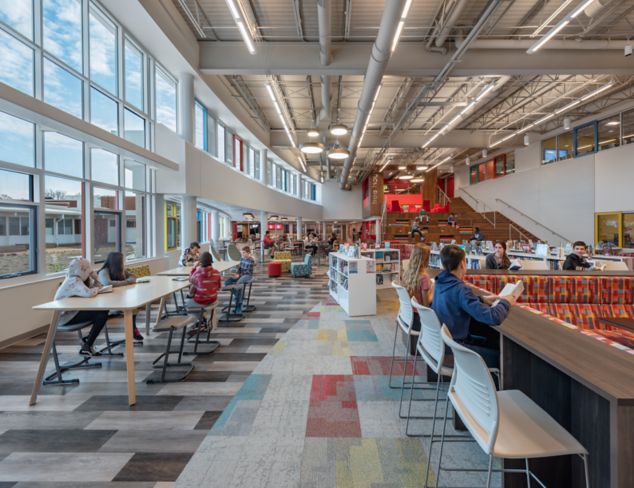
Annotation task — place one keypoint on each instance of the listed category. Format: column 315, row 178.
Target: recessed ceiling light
column 312, row 148
column 418, row 180
column 405, row 177
column 613, row 122
column 402, row 167
column 338, row 153
column 338, row 130
column 422, row 167
column 312, row 133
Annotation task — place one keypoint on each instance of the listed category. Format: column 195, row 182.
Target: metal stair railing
column 563, row 238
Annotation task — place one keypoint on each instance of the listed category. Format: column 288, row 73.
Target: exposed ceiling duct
column 325, row 55
column 381, row 51
column 451, row 21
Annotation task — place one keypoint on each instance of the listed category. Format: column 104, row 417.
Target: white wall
column 614, row 180
column 559, row 195
column 339, row 204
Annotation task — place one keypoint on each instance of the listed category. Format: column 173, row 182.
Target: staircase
column 493, row 225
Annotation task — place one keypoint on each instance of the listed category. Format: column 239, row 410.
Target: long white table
column 126, row 298
column 221, row 266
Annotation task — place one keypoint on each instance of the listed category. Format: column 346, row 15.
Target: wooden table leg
column 160, row 311
column 129, row 356
column 50, row 337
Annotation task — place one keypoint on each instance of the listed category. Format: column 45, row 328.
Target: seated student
column 415, row 229
column 576, row 261
column 451, row 220
column 81, row 281
column 190, row 255
column 204, row 281
column 466, row 315
column 498, row 259
column 416, row 278
column 477, row 235
column 113, row 273
column 311, row 244
column 244, row 275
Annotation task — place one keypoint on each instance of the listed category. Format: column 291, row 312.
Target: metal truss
column 244, row 93
column 197, row 17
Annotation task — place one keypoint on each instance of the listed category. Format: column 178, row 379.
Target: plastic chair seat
column 525, row 430
column 74, row 327
column 175, row 321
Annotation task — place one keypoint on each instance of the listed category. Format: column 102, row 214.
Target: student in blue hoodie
column 468, row 316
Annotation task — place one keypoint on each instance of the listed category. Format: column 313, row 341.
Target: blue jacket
column 456, row 305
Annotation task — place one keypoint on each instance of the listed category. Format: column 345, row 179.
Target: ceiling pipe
column 325, row 55
column 445, row 30
column 553, row 44
column 381, row 51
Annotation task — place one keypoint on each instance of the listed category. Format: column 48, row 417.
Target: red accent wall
column 413, row 201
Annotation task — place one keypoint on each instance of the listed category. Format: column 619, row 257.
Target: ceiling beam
column 412, row 59
column 411, row 139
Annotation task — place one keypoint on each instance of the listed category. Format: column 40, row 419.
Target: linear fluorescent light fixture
column 438, row 164
column 560, row 25
column 302, row 162
column 556, row 112
column 367, row 120
column 401, row 24
column 241, row 22
column 269, row 89
column 385, row 165
column 552, row 17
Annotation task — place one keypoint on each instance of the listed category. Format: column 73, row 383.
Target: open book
column 105, row 289
column 515, row 265
column 511, row 289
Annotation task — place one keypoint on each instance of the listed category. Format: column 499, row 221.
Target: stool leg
column 528, row 473
column 167, row 354
column 393, row 356
column 180, row 351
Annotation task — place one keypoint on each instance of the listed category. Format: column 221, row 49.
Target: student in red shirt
column 204, row 282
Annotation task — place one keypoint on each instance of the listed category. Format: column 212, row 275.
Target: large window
column 103, row 50
column 228, row 147
column 200, row 126
column 133, row 59
column 564, row 146
column 609, row 131
column 134, row 127
column 134, row 231
column 237, row 153
column 103, row 111
column 17, row 140
column 220, row 138
column 17, row 240
column 62, row 31
column 172, row 225
column 212, row 135
column 106, row 234
column 627, row 127
column 15, row 186
column 64, row 221
column 585, row 139
column 256, row 165
column 17, row 63
column 18, row 15
column 104, row 166
column 63, row 155
column 62, row 89
column 165, row 88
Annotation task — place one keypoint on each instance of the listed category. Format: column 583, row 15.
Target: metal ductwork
column 381, row 51
column 325, row 54
column 445, row 30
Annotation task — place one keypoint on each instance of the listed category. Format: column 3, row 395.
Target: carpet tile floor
column 298, row 395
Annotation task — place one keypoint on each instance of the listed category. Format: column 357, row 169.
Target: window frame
column 33, row 236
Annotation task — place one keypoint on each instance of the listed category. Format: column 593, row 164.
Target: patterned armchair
column 284, row 258
column 304, row 269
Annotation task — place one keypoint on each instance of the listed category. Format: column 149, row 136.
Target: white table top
column 185, row 270
column 121, row 298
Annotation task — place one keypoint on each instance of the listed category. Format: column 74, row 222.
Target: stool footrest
column 175, row 322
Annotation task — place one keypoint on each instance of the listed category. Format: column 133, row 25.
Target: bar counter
column 585, row 384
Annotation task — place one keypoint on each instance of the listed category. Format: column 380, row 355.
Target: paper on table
column 105, row 289
column 515, row 289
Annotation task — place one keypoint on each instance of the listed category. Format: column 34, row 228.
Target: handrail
column 564, row 239
column 443, row 198
column 522, row 235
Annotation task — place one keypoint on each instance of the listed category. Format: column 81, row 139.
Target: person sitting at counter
column 498, row 259
column 477, row 235
column 468, row 316
column 451, row 220
column 576, row 261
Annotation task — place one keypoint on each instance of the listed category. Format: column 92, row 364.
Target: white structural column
column 264, row 156
column 323, row 231
column 186, row 107
column 263, row 227
column 379, row 237
column 228, row 233
column 159, row 234
column 299, row 228
column 215, row 227
column 188, row 219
